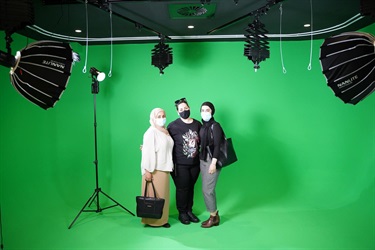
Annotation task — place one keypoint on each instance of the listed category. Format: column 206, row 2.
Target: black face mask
column 184, row 114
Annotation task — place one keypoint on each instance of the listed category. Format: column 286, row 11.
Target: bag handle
column 153, row 187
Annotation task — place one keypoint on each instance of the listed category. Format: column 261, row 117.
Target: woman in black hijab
column 211, row 135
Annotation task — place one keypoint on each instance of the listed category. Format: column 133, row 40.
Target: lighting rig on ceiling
column 105, row 6
column 161, row 55
column 256, row 47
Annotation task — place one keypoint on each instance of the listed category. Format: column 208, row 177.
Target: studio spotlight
column 100, row 76
column 161, row 55
column 257, row 48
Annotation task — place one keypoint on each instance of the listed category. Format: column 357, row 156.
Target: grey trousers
column 208, row 185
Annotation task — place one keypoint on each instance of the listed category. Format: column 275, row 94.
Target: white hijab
column 153, row 116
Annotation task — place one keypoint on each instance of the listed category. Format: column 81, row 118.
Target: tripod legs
column 95, row 197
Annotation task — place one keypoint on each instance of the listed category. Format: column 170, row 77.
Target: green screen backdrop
column 304, row 179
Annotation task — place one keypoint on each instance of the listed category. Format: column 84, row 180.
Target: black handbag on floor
column 227, row 154
column 149, row 207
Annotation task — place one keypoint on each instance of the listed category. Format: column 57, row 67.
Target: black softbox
column 348, row 63
column 42, row 71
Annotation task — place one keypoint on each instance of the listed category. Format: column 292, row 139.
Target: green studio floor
column 258, row 226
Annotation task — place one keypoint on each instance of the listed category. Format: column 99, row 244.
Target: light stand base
column 95, row 196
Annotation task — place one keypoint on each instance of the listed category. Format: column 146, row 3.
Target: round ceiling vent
column 192, row 11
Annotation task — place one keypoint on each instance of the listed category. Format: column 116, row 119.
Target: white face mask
column 206, row 116
column 160, row 121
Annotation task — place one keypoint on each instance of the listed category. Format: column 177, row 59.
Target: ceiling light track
column 335, row 28
column 104, row 5
column 259, row 12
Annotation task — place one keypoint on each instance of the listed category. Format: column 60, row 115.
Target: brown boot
column 214, row 220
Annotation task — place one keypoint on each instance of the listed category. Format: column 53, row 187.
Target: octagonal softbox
column 348, row 63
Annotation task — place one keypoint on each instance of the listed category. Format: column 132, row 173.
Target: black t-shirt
column 186, row 141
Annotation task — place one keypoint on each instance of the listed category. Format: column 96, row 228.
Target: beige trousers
column 161, row 183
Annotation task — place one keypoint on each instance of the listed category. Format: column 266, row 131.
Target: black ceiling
column 214, row 20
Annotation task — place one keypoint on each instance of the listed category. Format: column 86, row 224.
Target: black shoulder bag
column 227, row 153
column 149, row 207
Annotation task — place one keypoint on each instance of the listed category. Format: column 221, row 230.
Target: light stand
column 98, row 190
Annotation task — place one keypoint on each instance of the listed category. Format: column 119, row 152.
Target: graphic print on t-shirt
column 189, row 144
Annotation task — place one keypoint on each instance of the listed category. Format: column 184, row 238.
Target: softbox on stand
column 42, row 71
column 348, row 63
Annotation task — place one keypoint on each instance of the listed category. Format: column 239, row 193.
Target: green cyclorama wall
column 299, row 147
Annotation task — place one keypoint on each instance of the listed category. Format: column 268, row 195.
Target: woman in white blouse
column 157, row 163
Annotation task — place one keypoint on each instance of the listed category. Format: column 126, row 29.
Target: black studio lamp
column 97, row 77
column 256, row 47
column 161, row 56
column 100, row 76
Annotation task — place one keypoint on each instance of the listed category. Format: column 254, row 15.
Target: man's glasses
column 179, row 101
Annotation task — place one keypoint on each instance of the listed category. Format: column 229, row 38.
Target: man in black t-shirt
column 185, row 133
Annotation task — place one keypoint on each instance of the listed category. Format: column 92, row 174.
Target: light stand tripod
column 98, row 190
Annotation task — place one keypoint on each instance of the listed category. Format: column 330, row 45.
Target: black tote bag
column 227, row 154
column 149, row 207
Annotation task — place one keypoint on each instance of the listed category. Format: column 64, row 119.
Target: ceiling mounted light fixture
column 161, row 55
column 256, row 47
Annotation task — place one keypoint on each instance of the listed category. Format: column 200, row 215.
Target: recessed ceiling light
column 306, row 25
column 78, row 31
column 191, row 26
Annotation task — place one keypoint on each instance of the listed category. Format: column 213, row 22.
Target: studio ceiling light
column 161, row 55
column 256, row 47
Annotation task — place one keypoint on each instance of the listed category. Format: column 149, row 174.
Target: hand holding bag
column 149, row 207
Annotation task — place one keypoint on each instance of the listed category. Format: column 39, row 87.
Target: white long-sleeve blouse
column 156, row 151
